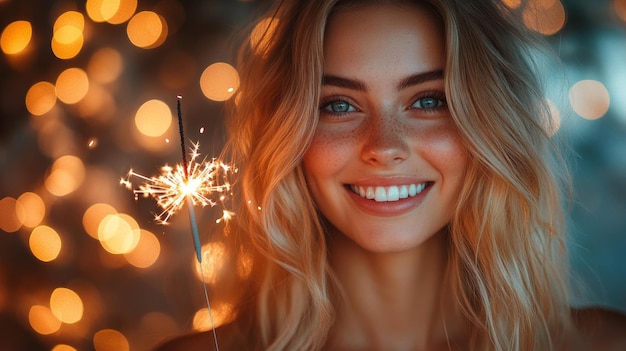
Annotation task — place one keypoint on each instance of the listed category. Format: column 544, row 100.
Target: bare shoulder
column 229, row 337
column 600, row 328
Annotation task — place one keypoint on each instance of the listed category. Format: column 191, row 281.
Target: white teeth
column 388, row 193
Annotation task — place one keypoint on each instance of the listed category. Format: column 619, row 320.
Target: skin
column 384, row 122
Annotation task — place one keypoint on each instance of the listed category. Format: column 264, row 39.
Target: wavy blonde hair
column 507, row 259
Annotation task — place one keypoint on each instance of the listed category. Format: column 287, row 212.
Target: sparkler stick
column 192, row 182
column 192, row 218
column 192, row 214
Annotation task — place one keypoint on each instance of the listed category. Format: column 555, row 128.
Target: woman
column 397, row 184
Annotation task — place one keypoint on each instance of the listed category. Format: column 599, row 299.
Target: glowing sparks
column 204, row 183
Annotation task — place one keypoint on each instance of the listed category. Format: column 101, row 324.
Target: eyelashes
column 426, row 102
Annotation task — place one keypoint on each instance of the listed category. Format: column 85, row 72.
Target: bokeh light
column 513, row 4
column 31, row 209
column 153, row 118
column 94, row 215
column 45, row 243
column 97, row 105
column 146, row 252
column 244, row 265
column 72, row 85
column 66, row 305
column 41, row 98
column 219, row 81
column 105, row 65
column 589, row 99
column 124, row 10
column 544, row 16
column 68, row 39
column 110, row 340
column 42, row 320
column 63, row 347
column 214, row 255
column 66, row 175
column 118, row 233
column 9, row 221
column 147, row 30
column 222, row 314
column 101, row 10
column 68, row 27
column 16, row 37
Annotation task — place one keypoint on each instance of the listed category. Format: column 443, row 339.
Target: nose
column 383, row 143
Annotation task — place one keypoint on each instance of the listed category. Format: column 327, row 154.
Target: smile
column 389, row 193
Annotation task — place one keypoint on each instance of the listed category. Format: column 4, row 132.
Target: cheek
column 444, row 149
column 327, row 153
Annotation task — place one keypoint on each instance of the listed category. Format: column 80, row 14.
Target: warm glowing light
column 124, row 11
column 16, row 37
column 620, row 9
column 153, row 118
column 66, row 175
column 67, row 51
column 262, row 35
column 244, row 265
column 69, row 19
column 32, row 209
column 45, row 243
column 118, row 233
column 92, row 143
column 200, row 182
column 101, row 10
column 105, row 65
column 590, row 99
column 544, row 16
column 219, row 81
column 94, row 215
column 67, row 39
column 222, row 314
column 42, row 320
column 214, row 255
column 98, row 104
column 40, row 98
column 110, row 340
column 9, row 221
column 146, row 252
column 513, row 4
column 55, row 137
column 66, row 305
column 72, row 85
column 147, row 30
column 69, row 27
column 63, row 347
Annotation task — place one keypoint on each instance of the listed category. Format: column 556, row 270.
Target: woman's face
column 386, row 165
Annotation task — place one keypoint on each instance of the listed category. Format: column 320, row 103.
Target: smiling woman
column 398, row 188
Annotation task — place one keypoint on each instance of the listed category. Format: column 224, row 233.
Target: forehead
column 380, row 36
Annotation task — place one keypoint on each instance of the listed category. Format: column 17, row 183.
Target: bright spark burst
column 205, row 183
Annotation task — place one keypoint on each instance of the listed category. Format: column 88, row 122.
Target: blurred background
column 88, row 91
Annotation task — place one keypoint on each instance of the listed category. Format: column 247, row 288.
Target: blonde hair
column 507, row 260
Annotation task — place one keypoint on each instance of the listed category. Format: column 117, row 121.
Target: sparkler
column 202, row 183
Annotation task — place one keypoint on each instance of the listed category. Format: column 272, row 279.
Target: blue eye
column 338, row 106
column 428, row 103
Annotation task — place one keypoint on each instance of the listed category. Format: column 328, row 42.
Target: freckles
column 329, row 150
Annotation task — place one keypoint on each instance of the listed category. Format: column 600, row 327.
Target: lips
column 389, row 193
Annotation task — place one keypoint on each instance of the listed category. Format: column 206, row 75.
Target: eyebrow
column 355, row 84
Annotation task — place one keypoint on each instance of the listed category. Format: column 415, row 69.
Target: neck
column 393, row 299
